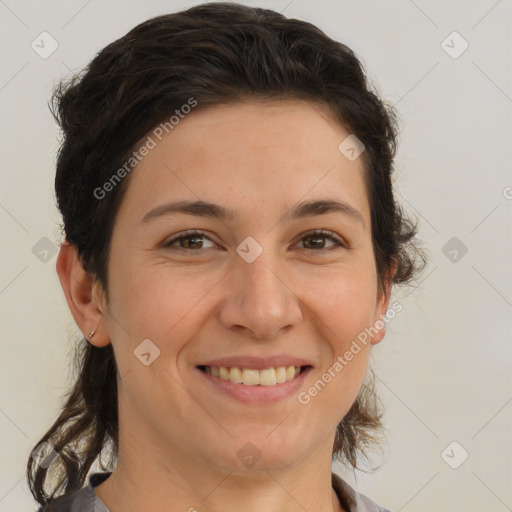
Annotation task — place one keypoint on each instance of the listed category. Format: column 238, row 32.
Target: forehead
column 251, row 155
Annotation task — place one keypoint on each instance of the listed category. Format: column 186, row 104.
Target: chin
column 259, row 451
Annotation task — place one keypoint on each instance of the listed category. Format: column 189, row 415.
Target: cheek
column 160, row 303
column 342, row 307
column 344, row 303
column 334, row 392
column 167, row 307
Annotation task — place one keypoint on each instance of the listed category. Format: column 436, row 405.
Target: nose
column 259, row 298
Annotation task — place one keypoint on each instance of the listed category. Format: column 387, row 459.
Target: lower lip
column 258, row 393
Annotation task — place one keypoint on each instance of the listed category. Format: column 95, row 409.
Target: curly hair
column 217, row 53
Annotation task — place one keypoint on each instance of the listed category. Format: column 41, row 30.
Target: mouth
column 273, row 376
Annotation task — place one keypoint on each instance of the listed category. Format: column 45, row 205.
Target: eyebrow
column 206, row 209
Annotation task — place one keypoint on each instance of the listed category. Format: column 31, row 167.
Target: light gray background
column 444, row 368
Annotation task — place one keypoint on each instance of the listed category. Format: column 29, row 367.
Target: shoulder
column 352, row 500
column 81, row 500
column 78, row 501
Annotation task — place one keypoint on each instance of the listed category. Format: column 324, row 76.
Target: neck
column 161, row 481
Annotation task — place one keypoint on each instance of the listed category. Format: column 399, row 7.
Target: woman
column 231, row 242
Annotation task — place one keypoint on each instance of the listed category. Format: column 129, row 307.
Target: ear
column 83, row 297
column 378, row 330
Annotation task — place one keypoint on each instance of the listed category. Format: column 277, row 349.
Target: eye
column 315, row 240
column 194, row 240
column 189, row 241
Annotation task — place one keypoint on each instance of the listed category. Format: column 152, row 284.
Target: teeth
column 235, row 375
column 251, row 377
column 268, row 377
column 280, row 374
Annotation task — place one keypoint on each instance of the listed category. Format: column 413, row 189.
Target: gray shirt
column 86, row 500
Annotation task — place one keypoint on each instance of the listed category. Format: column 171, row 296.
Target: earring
column 91, row 334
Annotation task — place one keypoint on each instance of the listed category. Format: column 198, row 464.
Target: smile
column 253, row 377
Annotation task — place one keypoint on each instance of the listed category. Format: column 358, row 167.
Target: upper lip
column 257, row 363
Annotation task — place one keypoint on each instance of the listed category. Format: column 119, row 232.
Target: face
column 254, row 289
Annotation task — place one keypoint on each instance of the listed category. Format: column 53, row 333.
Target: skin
column 179, row 437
